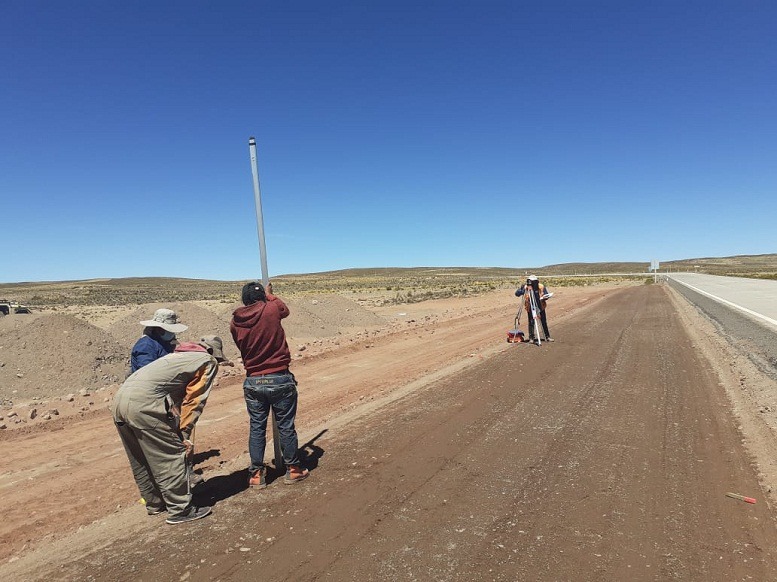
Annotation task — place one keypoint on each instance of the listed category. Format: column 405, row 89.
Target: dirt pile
column 201, row 322
column 314, row 316
column 325, row 316
column 47, row 355
column 317, row 316
column 57, row 354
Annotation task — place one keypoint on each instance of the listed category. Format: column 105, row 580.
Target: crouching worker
column 155, row 411
column 269, row 385
column 158, row 338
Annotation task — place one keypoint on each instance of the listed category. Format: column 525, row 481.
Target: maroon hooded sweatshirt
column 259, row 336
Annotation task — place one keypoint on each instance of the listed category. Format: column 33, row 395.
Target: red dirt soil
column 438, row 452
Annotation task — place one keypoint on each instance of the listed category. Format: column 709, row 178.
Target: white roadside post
column 278, row 461
column 654, row 268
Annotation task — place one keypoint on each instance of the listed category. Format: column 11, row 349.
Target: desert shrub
column 771, row 276
column 372, row 285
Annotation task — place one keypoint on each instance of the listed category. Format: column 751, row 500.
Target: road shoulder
column 752, row 394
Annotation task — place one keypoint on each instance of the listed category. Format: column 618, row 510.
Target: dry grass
column 367, row 286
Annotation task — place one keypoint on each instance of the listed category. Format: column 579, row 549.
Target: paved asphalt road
column 745, row 311
column 758, row 296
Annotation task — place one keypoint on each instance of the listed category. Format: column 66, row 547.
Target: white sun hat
column 167, row 320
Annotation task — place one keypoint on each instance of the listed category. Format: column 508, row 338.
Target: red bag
column 515, row 336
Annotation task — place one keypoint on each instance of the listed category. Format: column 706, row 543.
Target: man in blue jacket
column 157, row 340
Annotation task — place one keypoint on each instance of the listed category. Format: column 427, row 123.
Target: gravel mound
column 46, row 355
column 57, row 354
column 201, row 322
column 317, row 316
column 325, row 315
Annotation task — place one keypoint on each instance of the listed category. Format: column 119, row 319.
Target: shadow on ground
column 223, row 487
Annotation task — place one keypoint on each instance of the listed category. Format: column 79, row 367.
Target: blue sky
column 401, row 133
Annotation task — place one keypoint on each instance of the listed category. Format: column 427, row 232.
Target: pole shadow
column 309, row 454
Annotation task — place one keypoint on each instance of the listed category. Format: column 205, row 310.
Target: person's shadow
column 220, row 487
column 223, row 487
column 198, row 458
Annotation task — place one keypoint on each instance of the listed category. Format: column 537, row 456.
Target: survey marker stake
column 741, row 497
column 276, row 440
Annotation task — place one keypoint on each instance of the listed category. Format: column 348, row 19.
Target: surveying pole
column 276, row 440
column 259, row 217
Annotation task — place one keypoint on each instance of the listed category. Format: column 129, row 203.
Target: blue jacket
column 538, row 293
column 146, row 350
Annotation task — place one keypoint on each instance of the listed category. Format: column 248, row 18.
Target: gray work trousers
column 158, row 460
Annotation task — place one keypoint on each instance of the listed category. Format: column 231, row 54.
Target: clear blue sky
column 403, row 133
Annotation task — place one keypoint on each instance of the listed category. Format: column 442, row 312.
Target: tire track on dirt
column 604, row 489
column 74, row 478
column 517, row 470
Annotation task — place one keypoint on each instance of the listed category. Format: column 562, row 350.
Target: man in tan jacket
column 155, row 411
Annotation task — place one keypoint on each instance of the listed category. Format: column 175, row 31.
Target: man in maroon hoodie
column 269, row 385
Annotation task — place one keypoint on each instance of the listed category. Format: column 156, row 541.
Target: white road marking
column 726, row 302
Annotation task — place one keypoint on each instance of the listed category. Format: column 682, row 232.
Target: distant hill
column 139, row 290
column 736, row 265
column 744, row 265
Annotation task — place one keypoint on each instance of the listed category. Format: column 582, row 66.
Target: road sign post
column 654, row 268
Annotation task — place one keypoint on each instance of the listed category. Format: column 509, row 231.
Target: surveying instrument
column 534, row 311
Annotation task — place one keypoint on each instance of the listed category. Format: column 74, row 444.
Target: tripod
column 534, row 313
column 535, row 323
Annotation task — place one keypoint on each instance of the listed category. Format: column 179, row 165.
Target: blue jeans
column 276, row 392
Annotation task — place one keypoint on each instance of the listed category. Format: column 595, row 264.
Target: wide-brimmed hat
column 214, row 345
column 532, row 278
column 167, row 320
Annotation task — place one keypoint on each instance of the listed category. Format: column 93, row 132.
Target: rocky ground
column 438, row 452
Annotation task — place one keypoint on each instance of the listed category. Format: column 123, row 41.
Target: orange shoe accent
column 295, row 474
column 258, row 479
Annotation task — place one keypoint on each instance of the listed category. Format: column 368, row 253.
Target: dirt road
column 436, row 455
